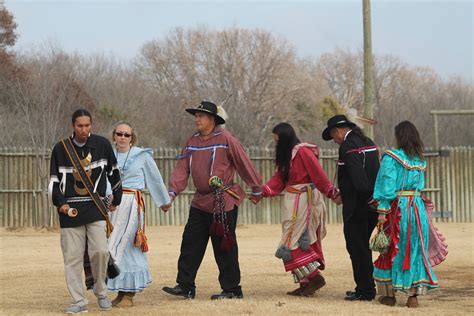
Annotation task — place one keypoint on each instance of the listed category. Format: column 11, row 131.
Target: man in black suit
column 358, row 165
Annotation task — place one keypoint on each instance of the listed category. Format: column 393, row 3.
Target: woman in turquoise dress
column 406, row 265
column 127, row 243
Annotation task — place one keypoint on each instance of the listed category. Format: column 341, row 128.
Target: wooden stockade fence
column 449, row 183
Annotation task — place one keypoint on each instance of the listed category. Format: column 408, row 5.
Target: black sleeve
column 57, row 197
column 113, row 174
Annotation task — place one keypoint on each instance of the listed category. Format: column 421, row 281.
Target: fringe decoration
column 303, row 241
column 283, row 253
column 220, row 226
column 141, row 240
column 227, row 242
column 216, row 229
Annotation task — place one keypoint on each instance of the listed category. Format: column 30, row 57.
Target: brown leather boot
column 314, row 284
column 117, row 299
column 412, row 302
column 388, row 300
column 127, row 300
column 297, row 292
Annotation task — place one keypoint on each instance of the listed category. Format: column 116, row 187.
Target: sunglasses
column 123, row 134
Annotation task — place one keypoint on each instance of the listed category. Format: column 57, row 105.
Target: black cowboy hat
column 336, row 121
column 209, row 108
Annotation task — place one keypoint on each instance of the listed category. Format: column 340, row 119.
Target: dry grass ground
column 32, row 278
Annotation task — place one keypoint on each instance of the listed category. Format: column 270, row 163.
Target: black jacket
column 63, row 188
column 357, row 171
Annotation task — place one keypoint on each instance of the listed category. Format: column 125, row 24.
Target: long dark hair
column 409, row 139
column 79, row 113
column 286, row 141
column 358, row 131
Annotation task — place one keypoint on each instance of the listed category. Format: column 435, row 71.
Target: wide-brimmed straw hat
column 209, row 108
column 336, row 121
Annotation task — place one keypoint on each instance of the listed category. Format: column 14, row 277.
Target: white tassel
column 222, row 113
column 352, row 116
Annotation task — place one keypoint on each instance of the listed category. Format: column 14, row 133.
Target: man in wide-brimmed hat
column 357, row 169
column 212, row 152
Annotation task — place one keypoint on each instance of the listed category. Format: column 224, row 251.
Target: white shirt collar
column 77, row 143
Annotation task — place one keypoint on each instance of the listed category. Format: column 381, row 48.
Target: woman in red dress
column 302, row 180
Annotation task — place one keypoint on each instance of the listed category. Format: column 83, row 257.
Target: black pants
column 357, row 232
column 193, row 247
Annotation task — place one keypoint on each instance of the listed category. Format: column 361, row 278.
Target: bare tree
column 343, row 72
column 260, row 71
column 267, row 82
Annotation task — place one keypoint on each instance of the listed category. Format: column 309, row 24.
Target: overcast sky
column 437, row 34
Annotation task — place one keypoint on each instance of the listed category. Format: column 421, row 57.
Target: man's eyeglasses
column 123, row 134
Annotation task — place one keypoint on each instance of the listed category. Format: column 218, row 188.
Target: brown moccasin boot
column 314, row 284
column 297, row 292
column 127, row 300
column 388, row 300
column 412, row 302
column 118, row 298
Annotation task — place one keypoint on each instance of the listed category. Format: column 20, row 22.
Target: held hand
column 374, row 204
column 112, row 208
column 336, row 196
column 165, row 208
column 337, row 199
column 255, row 198
column 382, row 219
column 64, row 209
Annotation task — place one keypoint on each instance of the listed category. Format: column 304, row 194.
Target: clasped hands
column 166, row 207
column 255, row 198
column 336, row 196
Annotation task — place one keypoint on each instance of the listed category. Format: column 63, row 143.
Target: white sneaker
column 104, row 303
column 76, row 309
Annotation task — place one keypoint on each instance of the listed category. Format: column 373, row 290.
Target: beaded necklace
column 122, row 169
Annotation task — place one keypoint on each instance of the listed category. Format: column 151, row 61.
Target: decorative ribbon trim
column 383, row 210
column 206, row 147
column 95, row 164
column 191, row 149
column 422, row 242
column 406, row 261
column 306, row 189
column 215, row 133
column 404, row 163
column 114, row 167
column 360, row 150
column 52, row 181
column 408, row 193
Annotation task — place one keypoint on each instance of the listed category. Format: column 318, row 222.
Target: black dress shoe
column 358, row 297
column 350, row 293
column 179, row 291
column 224, row 294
